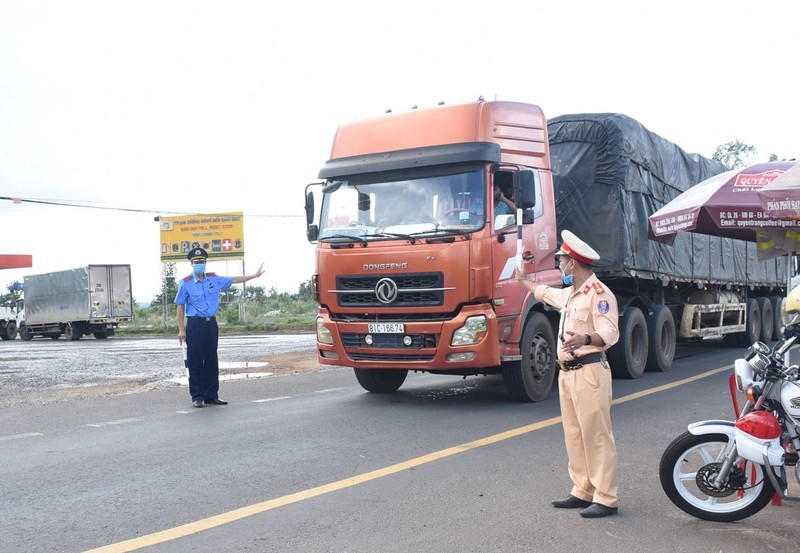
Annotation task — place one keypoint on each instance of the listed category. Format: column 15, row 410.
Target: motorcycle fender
column 701, row 428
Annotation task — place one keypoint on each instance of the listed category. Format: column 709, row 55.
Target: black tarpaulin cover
column 610, row 174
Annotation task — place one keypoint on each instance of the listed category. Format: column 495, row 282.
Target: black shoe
column 571, row 502
column 598, row 510
column 197, row 403
column 216, row 401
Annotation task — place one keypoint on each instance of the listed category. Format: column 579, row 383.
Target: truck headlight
column 323, row 334
column 473, row 331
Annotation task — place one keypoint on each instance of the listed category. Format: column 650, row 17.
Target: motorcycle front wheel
column 688, row 468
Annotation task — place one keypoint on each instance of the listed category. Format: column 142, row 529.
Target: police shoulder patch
column 602, row 306
column 187, row 279
column 598, row 288
column 211, row 274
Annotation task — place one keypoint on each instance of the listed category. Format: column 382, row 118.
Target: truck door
column 121, row 300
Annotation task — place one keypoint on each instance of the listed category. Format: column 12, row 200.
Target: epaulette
column 598, row 288
column 211, row 274
column 188, row 278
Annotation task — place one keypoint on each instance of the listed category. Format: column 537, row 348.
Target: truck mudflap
column 417, row 345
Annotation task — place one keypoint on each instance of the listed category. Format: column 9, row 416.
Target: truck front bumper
column 422, row 345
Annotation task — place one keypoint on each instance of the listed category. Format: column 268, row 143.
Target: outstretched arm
column 245, row 278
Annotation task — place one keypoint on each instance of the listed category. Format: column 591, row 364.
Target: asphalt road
column 310, row 462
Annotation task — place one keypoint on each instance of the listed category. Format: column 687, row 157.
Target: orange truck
column 416, row 245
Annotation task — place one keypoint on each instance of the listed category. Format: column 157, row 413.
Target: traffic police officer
column 197, row 303
column 588, row 327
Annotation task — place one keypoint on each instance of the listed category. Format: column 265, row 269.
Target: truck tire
column 531, row 378
column 776, row 316
column 72, row 332
column 661, row 339
column 752, row 332
column 100, row 335
column 10, row 331
column 767, row 319
column 629, row 356
column 25, row 334
column 381, row 381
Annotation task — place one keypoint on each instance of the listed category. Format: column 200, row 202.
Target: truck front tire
column 9, row 331
column 531, row 378
column 381, row 381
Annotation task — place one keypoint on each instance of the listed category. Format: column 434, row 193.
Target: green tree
column 734, row 155
column 168, row 285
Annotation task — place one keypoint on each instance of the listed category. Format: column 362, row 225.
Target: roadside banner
column 221, row 235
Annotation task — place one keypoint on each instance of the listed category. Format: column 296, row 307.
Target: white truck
column 88, row 300
column 8, row 323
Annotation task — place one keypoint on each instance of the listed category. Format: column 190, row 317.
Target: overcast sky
column 210, row 107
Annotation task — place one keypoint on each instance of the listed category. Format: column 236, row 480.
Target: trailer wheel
column 629, row 356
column 752, row 332
column 381, row 381
column 777, row 324
column 767, row 319
column 531, row 378
column 100, row 335
column 661, row 337
column 72, row 332
column 25, row 334
column 10, row 331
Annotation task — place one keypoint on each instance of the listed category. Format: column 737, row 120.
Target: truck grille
column 352, row 340
column 358, row 349
column 405, row 290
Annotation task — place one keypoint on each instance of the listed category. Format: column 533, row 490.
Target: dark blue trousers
column 202, row 337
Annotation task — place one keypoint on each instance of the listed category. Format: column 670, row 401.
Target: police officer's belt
column 578, row 362
column 203, row 318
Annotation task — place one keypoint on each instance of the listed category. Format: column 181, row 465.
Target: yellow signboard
column 221, row 235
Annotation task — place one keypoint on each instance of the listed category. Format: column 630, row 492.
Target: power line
column 65, row 203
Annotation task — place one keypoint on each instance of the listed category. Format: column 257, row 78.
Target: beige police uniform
column 585, row 393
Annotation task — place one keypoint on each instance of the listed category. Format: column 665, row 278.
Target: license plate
column 385, row 328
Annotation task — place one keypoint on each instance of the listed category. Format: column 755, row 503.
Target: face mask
column 199, row 268
column 566, row 279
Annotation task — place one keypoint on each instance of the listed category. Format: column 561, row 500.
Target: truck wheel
column 531, row 378
column 25, row 334
column 767, row 320
column 72, row 332
column 381, row 381
column 629, row 356
column 777, row 325
column 661, row 339
column 752, row 332
column 10, row 331
column 100, row 335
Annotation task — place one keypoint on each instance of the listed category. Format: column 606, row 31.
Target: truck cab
column 414, row 266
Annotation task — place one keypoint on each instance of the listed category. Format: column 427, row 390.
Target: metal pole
column 243, row 303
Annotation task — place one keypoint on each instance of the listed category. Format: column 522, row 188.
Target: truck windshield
column 366, row 207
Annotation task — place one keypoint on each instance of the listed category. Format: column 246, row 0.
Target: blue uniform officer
column 197, row 303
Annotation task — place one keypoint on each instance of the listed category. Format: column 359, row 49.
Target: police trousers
column 585, row 400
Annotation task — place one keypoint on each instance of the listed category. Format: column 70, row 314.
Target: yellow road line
column 258, row 508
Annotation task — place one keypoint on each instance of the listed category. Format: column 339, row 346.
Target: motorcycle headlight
column 759, row 362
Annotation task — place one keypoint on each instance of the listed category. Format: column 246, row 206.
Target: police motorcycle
column 729, row 470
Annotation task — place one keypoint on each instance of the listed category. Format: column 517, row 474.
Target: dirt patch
column 285, row 363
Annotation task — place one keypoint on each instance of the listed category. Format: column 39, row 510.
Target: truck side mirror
column 309, row 208
column 312, row 233
column 525, row 189
column 363, row 202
